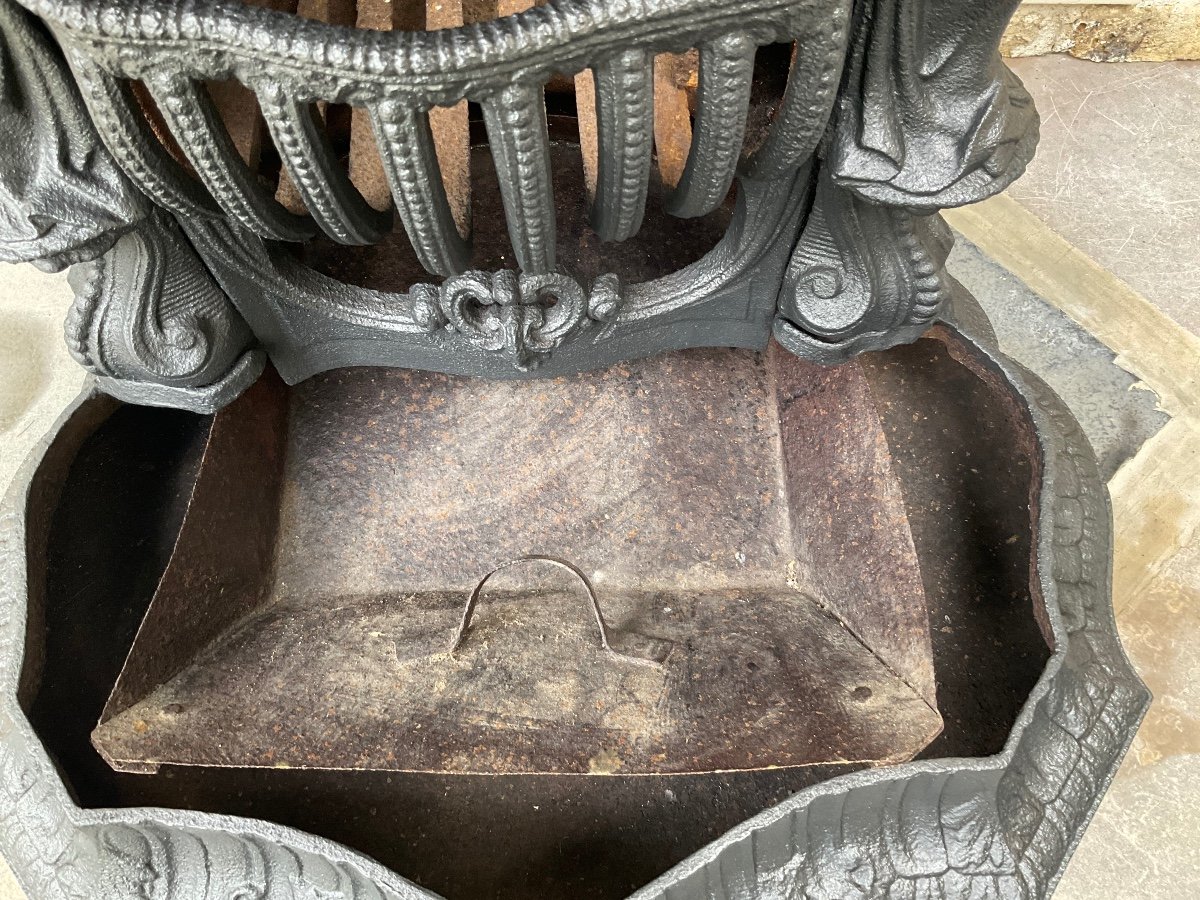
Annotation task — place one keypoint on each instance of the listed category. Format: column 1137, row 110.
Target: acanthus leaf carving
column 147, row 310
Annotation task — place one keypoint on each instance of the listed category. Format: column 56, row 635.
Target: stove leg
column 152, row 324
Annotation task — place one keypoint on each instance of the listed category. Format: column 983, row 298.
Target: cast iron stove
column 534, row 448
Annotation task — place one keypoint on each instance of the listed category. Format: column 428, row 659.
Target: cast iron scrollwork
column 147, row 319
column 521, row 315
column 862, row 276
column 928, row 117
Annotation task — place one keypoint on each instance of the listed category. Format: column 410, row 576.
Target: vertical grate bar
column 624, row 89
column 196, row 126
column 410, row 163
column 807, row 101
column 722, row 104
column 323, row 186
column 123, row 128
column 517, row 132
column 366, row 170
column 451, row 127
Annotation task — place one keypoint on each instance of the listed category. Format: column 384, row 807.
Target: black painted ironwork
column 118, row 163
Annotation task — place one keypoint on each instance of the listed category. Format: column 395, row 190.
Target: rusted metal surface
column 674, row 75
column 850, row 531
column 220, row 567
column 965, row 476
column 666, row 488
column 753, row 681
column 659, row 475
column 965, row 453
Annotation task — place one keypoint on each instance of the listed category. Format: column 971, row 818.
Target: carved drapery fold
column 930, row 117
column 62, row 197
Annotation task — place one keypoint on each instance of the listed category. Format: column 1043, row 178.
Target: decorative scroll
column 862, row 277
column 311, row 323
column 147, row 313
column 523, row 316
column 62, row 198
column 928, row 117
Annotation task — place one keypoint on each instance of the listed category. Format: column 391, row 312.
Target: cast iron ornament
column 835, row 246
column 893, row 110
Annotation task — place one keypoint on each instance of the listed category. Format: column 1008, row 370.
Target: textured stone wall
column 1150, row 30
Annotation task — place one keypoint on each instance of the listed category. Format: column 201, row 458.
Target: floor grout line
column 1148, row 343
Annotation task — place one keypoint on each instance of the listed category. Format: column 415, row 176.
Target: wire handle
column 464, row 626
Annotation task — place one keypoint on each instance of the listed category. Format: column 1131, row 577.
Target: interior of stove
column 252, row 613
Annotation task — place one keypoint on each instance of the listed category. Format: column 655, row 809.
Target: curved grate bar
column 409, row 157
column 196, row 127
column 122, row 126
column 722, row 103
column 517, row 132
column 806, row 107
column 625, row 124
column 324, row 187
column 320, row 61
column 292, row 62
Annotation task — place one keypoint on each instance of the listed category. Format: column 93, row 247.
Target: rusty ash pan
column 358, row 611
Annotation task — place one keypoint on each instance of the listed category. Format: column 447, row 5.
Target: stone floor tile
column 37, row 376
column 1117, row 413
column 1118, row 170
